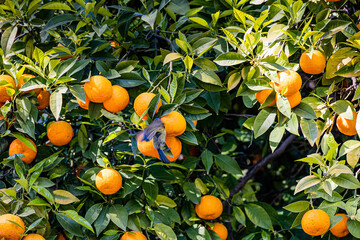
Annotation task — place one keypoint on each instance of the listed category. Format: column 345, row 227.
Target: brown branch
column 277, row 153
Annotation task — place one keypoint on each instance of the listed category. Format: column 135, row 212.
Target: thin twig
column 166, row 39
column 242, row 181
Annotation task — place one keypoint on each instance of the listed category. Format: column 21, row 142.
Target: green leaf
column 188, row 61
column 348, row 146
column 69, row 225
column 275, row 137
column 102, row 221
column 55, row 6
column 310, row 129
column 93, row 212
column 7, row 39
column 56, row 104
column 297, row 207
column 230, row 59
column 283, row 105
column 228, row 164
column 343, row 108
column 192, row 192
column 166, row 201
column 164, row 232
column 207, row 159
column 354, row 227
column 151, row 190
column 207, row 76
column 95, row 110
column 45, row 193
column 77, row 218
column 200, row 21
column 347, row 181
column 24, row 140
column 305, row 111
column 64, row 197
column 58, row 20
column 263, row 121
column 233, row 80
column 239, row 215
column 258, row 216
column 119, row 216
column 306, row 183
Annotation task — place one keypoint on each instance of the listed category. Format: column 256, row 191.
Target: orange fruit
column 33, row 236
column 358, row 26
column 9, row 230
column 315, row 222
column 82, row 104
column 114, row 44
column 98, row 89
column 147, row 148
column 44, row 99
column 289, row 82
column 4, row 96
column 60, row 133
column 142, row 102
column 340, row 229
column 263, row 94
column 22, row 82
column 293, row 99
column 195, row 122
column 210, row 207
column 18, row 146
column 175, row 124
column 118, row 101
column 61, row 237
column 347, row 126
column 108, row 181
column 314, row 64
column 220, row 229
column 133, row 236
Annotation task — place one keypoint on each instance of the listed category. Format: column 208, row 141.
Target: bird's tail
column 163, row 157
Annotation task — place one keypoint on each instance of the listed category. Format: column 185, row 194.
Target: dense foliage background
column 206, row 59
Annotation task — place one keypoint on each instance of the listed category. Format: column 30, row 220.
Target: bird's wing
column 156, row 126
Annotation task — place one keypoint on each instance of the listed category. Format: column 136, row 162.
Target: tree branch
column 166, row 39
column 277, row 153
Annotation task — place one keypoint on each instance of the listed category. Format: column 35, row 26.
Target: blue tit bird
column 156, row 131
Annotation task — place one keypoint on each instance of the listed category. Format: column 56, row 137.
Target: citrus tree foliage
column 205, row 59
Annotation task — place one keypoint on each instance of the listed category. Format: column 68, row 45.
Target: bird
column 156, row 131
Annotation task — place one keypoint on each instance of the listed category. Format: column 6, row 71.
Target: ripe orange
column 60, row 133
column 98, row 89
column 314, row 65
column 142, row 102
column 340, row 229
column 195, row 122
column 22, row 82
column 315, row 222
column 4, row 96
column 220, row 229
column 108, row 181
column 133, row 236
column 44, row 99
column 118, row 101
column 33, row 236
column 82, row 104
column 358, row 26
column 293, row 99
column 289, row 82
column 114, row 44
column 210, row 207
column 175, row 124
column 147, row 148
column 347, row 126
column 263, row 94
column 18, row 146
column 8, row 229
column 61, row 237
